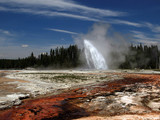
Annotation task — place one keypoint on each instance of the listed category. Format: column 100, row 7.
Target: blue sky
column 38, row 25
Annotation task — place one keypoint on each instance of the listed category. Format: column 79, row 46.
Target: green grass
column 102, row 78
column 69, row 76
column 64, row 77
column 156, row 69
column 42, row 73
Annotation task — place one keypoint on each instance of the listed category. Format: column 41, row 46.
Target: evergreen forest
column 139, row 56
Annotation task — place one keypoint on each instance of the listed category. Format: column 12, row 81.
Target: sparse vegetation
column 62, row 77
column 65, row 77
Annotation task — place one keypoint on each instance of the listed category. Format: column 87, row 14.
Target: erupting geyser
column 94, row 57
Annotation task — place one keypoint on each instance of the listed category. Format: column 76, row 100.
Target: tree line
column 57, row 58
column 142, row 57
column 139, row 56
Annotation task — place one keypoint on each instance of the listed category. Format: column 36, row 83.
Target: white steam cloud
column 112, row 45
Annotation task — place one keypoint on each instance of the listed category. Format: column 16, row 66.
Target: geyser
column 94, row 57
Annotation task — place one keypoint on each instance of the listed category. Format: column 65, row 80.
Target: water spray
column 94, row 58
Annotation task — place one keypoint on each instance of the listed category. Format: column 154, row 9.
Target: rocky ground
column 100, row 95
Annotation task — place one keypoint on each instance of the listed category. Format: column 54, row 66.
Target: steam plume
column 112, row 45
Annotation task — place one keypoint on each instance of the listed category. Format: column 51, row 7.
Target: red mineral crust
column 49, row 107
column 71, row 104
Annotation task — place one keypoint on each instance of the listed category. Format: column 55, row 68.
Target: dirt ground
column 6, row 88
column 128, row 97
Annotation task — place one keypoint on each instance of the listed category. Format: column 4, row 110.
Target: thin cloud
column 6, row 36
column 144, row 36
column 48, row 13
column 145, row 42
column 5, row 32
column 24, row 46
column 141, row 37
column 71, row 9
column 63, row 31
column 127, row 23
column 74, row 16
column 63, row 5
column 154, row 28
